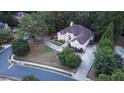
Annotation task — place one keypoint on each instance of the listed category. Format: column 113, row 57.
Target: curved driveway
column 19, row 71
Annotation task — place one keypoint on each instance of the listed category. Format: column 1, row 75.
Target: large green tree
column 69, row 58
column 20, row 47
column 106, row 61
column 34, row 25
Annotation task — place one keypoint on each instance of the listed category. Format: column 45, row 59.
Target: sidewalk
column 53, row 46
column 5, row 46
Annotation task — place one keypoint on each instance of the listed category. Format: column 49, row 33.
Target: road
column 19, row 71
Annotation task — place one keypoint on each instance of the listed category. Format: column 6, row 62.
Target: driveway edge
column 12, row 60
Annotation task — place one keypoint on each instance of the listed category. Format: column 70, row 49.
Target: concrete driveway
column 87, row 61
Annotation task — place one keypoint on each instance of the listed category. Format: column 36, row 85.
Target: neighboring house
column 77, row 35
column 4, row 26
column 19, row 15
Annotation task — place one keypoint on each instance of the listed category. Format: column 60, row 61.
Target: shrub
column 5, row 36
column 69, row 58
column 30, row 78
column 103, row 77
column 20, row 47
column 117, row 75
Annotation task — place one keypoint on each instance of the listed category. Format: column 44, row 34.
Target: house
column 19, row 15
column 4, row 26
column 77, row 35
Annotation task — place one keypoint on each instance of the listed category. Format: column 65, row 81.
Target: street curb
column 2, row 49
column 13, row 61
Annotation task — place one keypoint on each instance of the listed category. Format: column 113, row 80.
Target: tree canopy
column 106, row 61
column 69, row 58
column 34, row 25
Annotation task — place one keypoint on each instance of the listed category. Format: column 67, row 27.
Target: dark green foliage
column 30, row 78
column 69, row 58
column 104, row 77
column 5, row 36
column 106, row 61
column 34, row 25
column 117, row 75
column 20, row 47
column 7, row 17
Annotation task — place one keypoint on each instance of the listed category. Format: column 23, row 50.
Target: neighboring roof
column 82, row 32
column 2, row 25
column 20, row 14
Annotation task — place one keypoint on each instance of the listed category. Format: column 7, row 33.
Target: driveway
column 20, row 71
column 87, row 61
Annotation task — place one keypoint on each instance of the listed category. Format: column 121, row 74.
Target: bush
column 20, row 47
column 103, row 77
column 5, row 36
column 69, row 58
column 117, row 75
column 30, row 78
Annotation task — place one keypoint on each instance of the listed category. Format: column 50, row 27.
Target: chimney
column 71, row 23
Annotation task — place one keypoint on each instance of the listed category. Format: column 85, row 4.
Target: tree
column 69, row 58
column 20, row 47
column 30, row 78
column 5, row 36
column 103, row 19
column 104, row 77
column 106, row 61
column 34, row 25
column 7, row 17
column 118, row 75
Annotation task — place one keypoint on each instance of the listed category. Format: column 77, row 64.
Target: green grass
column 46, row 49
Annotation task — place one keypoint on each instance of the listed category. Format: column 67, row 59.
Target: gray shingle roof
column 2, row 25
column 82, row 33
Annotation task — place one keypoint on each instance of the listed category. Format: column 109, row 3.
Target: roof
column 82, row 33
column 19, row 14
column 2, row 25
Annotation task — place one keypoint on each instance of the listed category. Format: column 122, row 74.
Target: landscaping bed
column 45, row 56
column 120, row 42
column 57, row 42
column 92, row 74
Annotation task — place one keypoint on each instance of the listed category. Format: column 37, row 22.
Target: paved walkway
column 87, row 61
column 53, row 46
column 120, row 51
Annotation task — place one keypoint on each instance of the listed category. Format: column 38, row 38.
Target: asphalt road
column 19, row 71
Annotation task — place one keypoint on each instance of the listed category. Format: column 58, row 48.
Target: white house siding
column 60, row 36
column 65, row 37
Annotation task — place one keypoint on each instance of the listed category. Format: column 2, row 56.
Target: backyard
column 44, row 55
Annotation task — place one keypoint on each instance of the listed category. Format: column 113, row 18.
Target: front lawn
column 45, row 49
column 57, row 42
column 46, row 56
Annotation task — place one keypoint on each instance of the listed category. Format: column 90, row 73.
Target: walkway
column 53, row 46
column 87, row 61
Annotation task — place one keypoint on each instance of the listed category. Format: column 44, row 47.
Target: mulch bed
column 120, row 42
column 92, row 74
